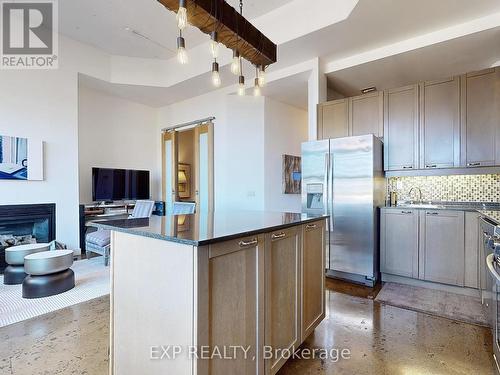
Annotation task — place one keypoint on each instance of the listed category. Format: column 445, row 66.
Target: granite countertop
column 487, row 209
column 206, row 228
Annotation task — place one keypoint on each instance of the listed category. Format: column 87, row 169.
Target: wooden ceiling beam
column 234, row 30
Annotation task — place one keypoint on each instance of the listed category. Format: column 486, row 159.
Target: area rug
column 91, row 281
column 435, row 302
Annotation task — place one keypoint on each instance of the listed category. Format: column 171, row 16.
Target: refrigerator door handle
column 325, row 185
column 329, row 204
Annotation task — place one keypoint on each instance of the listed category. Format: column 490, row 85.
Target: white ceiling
column 158, row 96
column 103, row 23
column 472, row 52
column 372, row 24
column 291, row 90
column 376, row 23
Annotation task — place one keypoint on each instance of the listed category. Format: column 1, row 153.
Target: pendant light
column 214, row 44
column 235, row 65
column 215, row 74
column 225, row 26
column 241, row 79
column 182, row 15
column 262, row 76
column 182, row 56
column 241, row 85
column 256, row 87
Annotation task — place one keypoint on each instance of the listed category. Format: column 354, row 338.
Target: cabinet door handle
column 310, row 226
column 248, row 243
column 432, row 213
column 431, row 166
column 276, row 236
column 473, row 164
column 406, row 212
column 408, row 167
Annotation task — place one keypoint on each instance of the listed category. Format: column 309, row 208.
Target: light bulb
column 262, row 76
column 235, row 65
column 216, row 79
column 241, row 86
column 182, row 15
column 214, row 45
column 256, row 88
column 215, row 74
column 214, row 49
column 182, row 56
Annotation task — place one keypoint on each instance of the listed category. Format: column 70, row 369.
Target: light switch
column 251, row 194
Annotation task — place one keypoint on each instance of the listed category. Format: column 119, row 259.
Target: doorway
column 188, row 166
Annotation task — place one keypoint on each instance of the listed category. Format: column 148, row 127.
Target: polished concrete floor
column 380, row 339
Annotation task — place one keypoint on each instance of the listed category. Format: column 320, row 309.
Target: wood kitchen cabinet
column 480, row 97
column 401, row 128
column 333, row 119
column 366, row 114
column 313, row 277
column 442, row 248
column 440, row 124
column 399, row 242
column 236, row 300
column 358, row 115
column 283, row 293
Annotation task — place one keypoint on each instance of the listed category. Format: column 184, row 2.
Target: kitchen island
column 214, row 293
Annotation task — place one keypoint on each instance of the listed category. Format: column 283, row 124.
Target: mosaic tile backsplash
column 460, row 188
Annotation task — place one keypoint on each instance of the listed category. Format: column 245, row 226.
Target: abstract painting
column 20, row 159
column 292, row 174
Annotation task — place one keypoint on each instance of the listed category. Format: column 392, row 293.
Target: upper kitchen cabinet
column 440, row 124
column 401, row 128
column 366, row 114
column 481, row 118
column 333, row 119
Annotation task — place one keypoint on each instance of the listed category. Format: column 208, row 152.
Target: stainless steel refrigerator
column 344, row 179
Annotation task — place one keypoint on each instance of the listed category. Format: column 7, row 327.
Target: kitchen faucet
column 419, row 191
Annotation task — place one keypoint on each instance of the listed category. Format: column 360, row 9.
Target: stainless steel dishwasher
column 492, row 244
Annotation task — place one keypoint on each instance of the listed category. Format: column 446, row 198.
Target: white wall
column 116, row 133
column 285, row 130
column 242, row 161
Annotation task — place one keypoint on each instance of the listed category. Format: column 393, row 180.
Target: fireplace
column 25, row 223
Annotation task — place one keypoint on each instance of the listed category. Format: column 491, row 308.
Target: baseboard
column 430, row 285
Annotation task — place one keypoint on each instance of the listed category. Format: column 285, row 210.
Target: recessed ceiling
column 472, row 52
column 103, row 24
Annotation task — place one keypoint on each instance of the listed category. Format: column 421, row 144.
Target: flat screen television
column 119, row 184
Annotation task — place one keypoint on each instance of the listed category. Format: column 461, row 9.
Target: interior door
column 204, row 167
column 169, row 168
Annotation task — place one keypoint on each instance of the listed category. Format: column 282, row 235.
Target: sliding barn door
column 204, row 167
column 169, row 169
